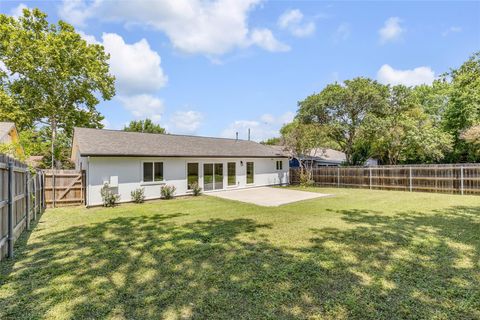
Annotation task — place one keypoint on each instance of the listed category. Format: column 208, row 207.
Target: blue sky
column 217, row 67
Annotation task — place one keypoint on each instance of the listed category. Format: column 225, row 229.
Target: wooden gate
column 64, row 188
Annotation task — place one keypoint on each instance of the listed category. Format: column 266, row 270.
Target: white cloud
column 391, row 30
column 265, row 39
column 18, row 10
column 342, row 32
column 186, row 121
column 193, row 26
column 450, row 30
column 421, row 75
column 292, row 20
column 267, row 126
column 77, row 11
column 88, row 38
column 137, row 68
column 143, row 106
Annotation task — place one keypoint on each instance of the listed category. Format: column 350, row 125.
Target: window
column 250, row 170
column 232, row 174
column 192, row 175
column 152, row 171
column 279, row 164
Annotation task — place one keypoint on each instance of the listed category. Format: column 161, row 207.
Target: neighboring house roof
column 99, row 142
column 34, row 161
column 318, row 154
column 281, row 149
column 5, row 129
column 326, row 155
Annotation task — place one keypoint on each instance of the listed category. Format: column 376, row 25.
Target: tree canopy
column 398, row 124
column 342, row 111
column 52, row 77
column 146, row 125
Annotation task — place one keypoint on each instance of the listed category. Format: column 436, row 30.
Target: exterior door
column 212, row 176
column 208, row 176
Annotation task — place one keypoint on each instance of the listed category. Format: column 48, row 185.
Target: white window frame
column 198, row 173
column 153, row 182
column 277, row 167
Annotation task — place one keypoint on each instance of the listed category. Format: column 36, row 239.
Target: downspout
column 88, row 182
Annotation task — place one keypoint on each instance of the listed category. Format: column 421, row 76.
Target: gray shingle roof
column 5, row 128
column 99, row 142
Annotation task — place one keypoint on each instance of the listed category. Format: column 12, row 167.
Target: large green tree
column 342, row 110
column 53, row 76
column 146, row 125
column 463, row 109
column 405, row 132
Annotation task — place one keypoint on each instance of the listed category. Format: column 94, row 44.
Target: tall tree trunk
column 53, row 126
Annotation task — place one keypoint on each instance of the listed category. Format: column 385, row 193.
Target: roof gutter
column 178, row 156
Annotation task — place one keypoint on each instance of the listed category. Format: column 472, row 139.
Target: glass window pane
column 147, row 171
column 158, row 171
column 250, row 172
column 192, row 174
column 208, row 176
column 218, row 175
column 279, row 165
column 232, row 174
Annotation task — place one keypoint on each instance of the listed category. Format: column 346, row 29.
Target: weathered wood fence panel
column 451, row 178
column 21, row 200
column 64, row 187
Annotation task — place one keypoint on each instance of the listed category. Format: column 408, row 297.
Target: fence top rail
column 60, row 171
column 404, row 166
column 5, row 159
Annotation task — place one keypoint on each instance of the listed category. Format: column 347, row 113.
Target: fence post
column 410, row 178
column 370, row 176
column 27, row 198
column 10, row 209
column 35, row 196
column 338, row 177
column 53, row 189
column 461, row 180
column 42, row 181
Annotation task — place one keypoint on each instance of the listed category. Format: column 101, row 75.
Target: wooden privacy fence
column 451, row 178
column 21, row 200
column 64, row 187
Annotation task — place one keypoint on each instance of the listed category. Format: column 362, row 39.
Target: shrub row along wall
column 21, row 200
column 451, row 178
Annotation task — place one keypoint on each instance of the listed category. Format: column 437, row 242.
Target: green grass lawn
column 361, row 254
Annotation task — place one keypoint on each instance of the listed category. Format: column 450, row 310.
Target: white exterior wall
column 129, row 171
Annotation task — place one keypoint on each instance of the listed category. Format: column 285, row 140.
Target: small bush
column 306, row 180
column 168, row 192
column 109, row 198
column 138, row 195
column 196, row 190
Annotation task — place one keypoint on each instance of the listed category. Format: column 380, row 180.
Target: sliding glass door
column 212, row 176
column 218, row 176
column 208, row 176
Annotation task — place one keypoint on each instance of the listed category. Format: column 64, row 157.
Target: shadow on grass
column 410, row 265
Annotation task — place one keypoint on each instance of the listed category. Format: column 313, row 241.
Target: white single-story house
column 131, row 160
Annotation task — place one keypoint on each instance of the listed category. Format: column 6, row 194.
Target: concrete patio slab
column 266, row 196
